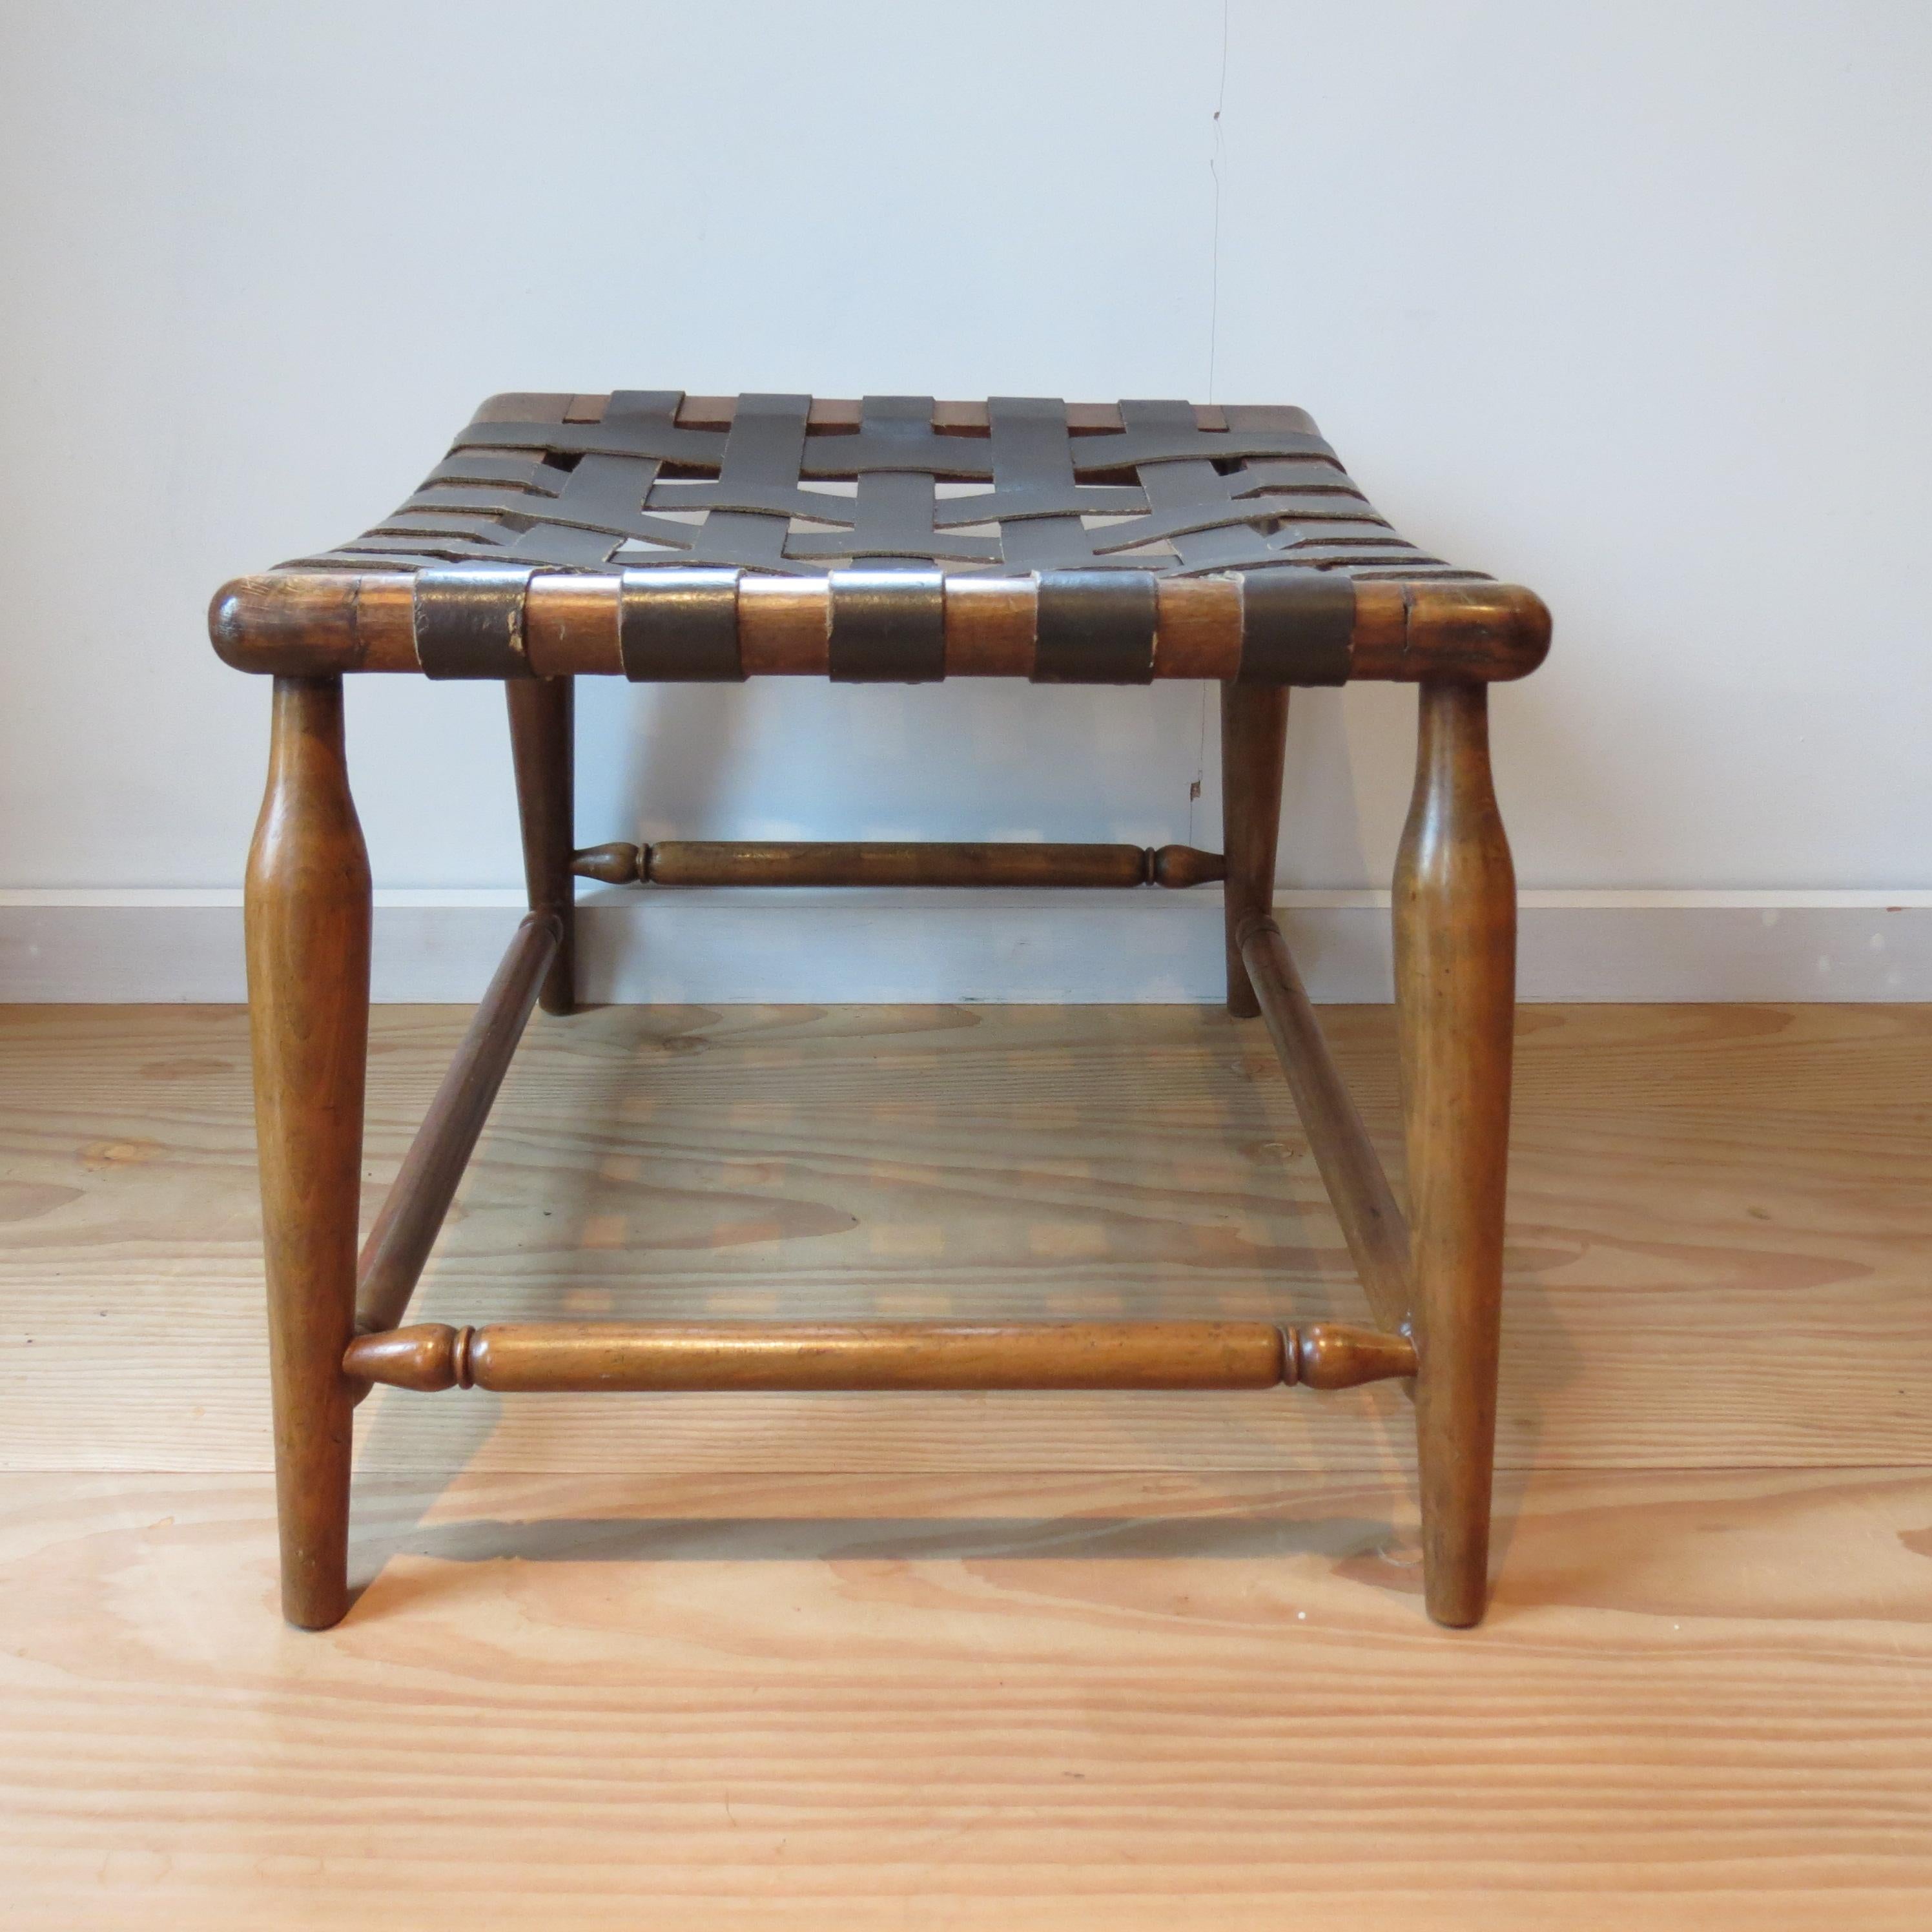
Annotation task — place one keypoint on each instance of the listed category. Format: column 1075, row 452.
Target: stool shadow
column 1362, row 1548
column 399, row 1433
column 399, row 1439
column 1242, row 1534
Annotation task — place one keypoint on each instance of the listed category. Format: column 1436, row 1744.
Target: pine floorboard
column 962, row 1660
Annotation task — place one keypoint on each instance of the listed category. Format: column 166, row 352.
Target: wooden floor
column 957, row 1661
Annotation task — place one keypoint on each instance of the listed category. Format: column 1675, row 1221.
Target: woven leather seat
column 1093, row 543
column 783, row 483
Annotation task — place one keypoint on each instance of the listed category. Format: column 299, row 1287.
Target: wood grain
column 855, row 1662
column 1717, row 1256
column 1050, row 1701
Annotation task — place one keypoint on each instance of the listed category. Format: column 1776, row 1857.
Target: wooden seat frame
column 1432, row 1278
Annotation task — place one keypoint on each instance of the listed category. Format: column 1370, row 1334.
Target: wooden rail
column 1365, row 1204
column 615, row 1355
column 542, row 750
column 320, row 623
column 798, row 862
column 412, row 1216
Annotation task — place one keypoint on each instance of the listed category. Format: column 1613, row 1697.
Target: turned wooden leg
column 308, row 921
column 1254, row 728
column 540, row 734
column 1455, row 941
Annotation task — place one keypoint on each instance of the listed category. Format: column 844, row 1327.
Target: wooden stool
column 656, row 536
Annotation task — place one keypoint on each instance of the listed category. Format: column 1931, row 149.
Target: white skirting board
column 718, row 946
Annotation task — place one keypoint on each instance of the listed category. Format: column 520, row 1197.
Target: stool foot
column 308, row 921
column 1254, row 729
column 542, row 721
column 1455, row 937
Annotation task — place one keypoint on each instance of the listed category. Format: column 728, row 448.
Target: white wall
column 1628, row 301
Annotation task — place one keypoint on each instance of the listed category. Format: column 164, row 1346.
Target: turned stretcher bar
column 580, row 1356
column 694, row 861
column 875, row 1355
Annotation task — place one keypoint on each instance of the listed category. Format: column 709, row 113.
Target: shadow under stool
column 661, row 537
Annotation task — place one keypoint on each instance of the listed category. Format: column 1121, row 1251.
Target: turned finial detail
column 427, row 1356
column 616, row 864
column 1334, row 1355
column 1181, row 866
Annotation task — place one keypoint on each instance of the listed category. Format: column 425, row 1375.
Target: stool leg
column 308, row 921
column 1455, row 938
column 1254, row 728
column 542, row 732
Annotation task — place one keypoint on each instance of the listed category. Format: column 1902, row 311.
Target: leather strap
column 888, row 627
column 469, row 622
column 1296, row 626
column 1095, row 627
column 679, row 626
column 1019, row 485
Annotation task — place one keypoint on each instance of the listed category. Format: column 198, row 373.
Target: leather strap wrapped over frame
column 1095, row 627
column 1296, row 625
column 468, row 621
column 888, row 627
column 679, row 626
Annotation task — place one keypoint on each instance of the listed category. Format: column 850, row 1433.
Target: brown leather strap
column 679, row 626
column 888, row 627
column 1095, row 627
column 901, row 481
column 1295, row 626
column 469, row 622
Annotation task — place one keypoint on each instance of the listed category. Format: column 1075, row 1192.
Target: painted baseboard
column 724, row 947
